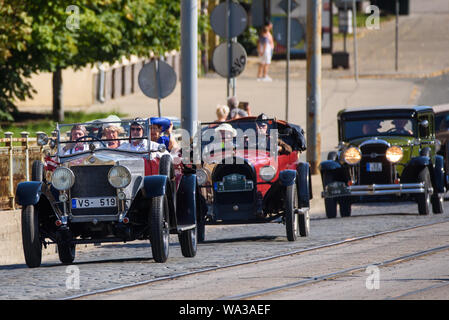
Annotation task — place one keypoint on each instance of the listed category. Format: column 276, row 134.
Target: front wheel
column 345, row 207
column 291, row 217
column 66, row 252
column 304, row 224
column 32, row 244
column 437, row 203
column 159, row 231
column 330, row 204
column 188, row 242
column 423, row 199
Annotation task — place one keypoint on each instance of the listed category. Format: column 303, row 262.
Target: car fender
column 304, row 184
column 415, row 166
column 329, row 165
column 29, row 192
column 186, row 201
column 287, row 177
column 333, row 170
column 154, row 186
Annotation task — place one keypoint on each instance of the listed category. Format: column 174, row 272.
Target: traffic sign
column 280, row 31
column 220, row 60
column 238, row 20
column 157, row 79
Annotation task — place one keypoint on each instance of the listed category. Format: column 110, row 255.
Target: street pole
column 229, row 44
column 189, row 65
column 287, row 73
column 354, row 18
column 397, row 37
column 314, row 8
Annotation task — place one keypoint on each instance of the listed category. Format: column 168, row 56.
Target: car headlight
column 62, row 178
column 119, row 177
column 42, row 139
column 267, row 173
column 352, row 155
column 201, row 176
column 394, row 154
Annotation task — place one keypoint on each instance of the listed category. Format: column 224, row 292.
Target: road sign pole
column 189, row 65
column 229, row 42
column 157, row 81
column 354, row 19
column 314, row 8
column 397, row 37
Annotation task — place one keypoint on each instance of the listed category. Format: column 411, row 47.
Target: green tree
column 15, row 64
column 76, row 33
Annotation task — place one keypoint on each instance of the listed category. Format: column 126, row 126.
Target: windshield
column 385, row 127
column 127, row 135
column 237, row 135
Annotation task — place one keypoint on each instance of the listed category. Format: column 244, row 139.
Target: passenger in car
column 161, row 132
column 112, row 132
column 77, row 132
column 371, row 127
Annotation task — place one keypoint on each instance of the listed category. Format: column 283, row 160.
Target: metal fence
column 16, row 158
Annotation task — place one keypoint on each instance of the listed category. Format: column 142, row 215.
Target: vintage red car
column 250, row 172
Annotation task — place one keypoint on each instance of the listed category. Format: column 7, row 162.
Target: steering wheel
column 92, row 137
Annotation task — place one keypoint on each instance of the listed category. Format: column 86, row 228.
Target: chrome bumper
column 340, row 189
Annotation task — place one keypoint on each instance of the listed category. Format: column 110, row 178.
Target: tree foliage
column 48, row 35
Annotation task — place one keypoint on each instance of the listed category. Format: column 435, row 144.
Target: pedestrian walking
column 265, row 48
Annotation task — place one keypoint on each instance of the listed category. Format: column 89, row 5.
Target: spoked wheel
column 304, row 223
column 188, row 242
column 159, row 232
column 290, row 214
column 201, row 212
column 32, row 244
column 423, row 199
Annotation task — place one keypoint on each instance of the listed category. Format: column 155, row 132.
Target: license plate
column 374, row 167
column 83, row 203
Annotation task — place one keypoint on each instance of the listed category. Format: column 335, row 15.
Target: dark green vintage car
column 384, row 154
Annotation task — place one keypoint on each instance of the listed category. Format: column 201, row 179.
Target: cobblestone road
column 113, row 265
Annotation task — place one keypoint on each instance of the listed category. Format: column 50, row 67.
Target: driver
column 225, row 132
column 400, row 127
column 262, row 129
column 77, row 132
column 136, row 131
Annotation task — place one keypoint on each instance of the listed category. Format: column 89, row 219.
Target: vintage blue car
column 107, row 182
